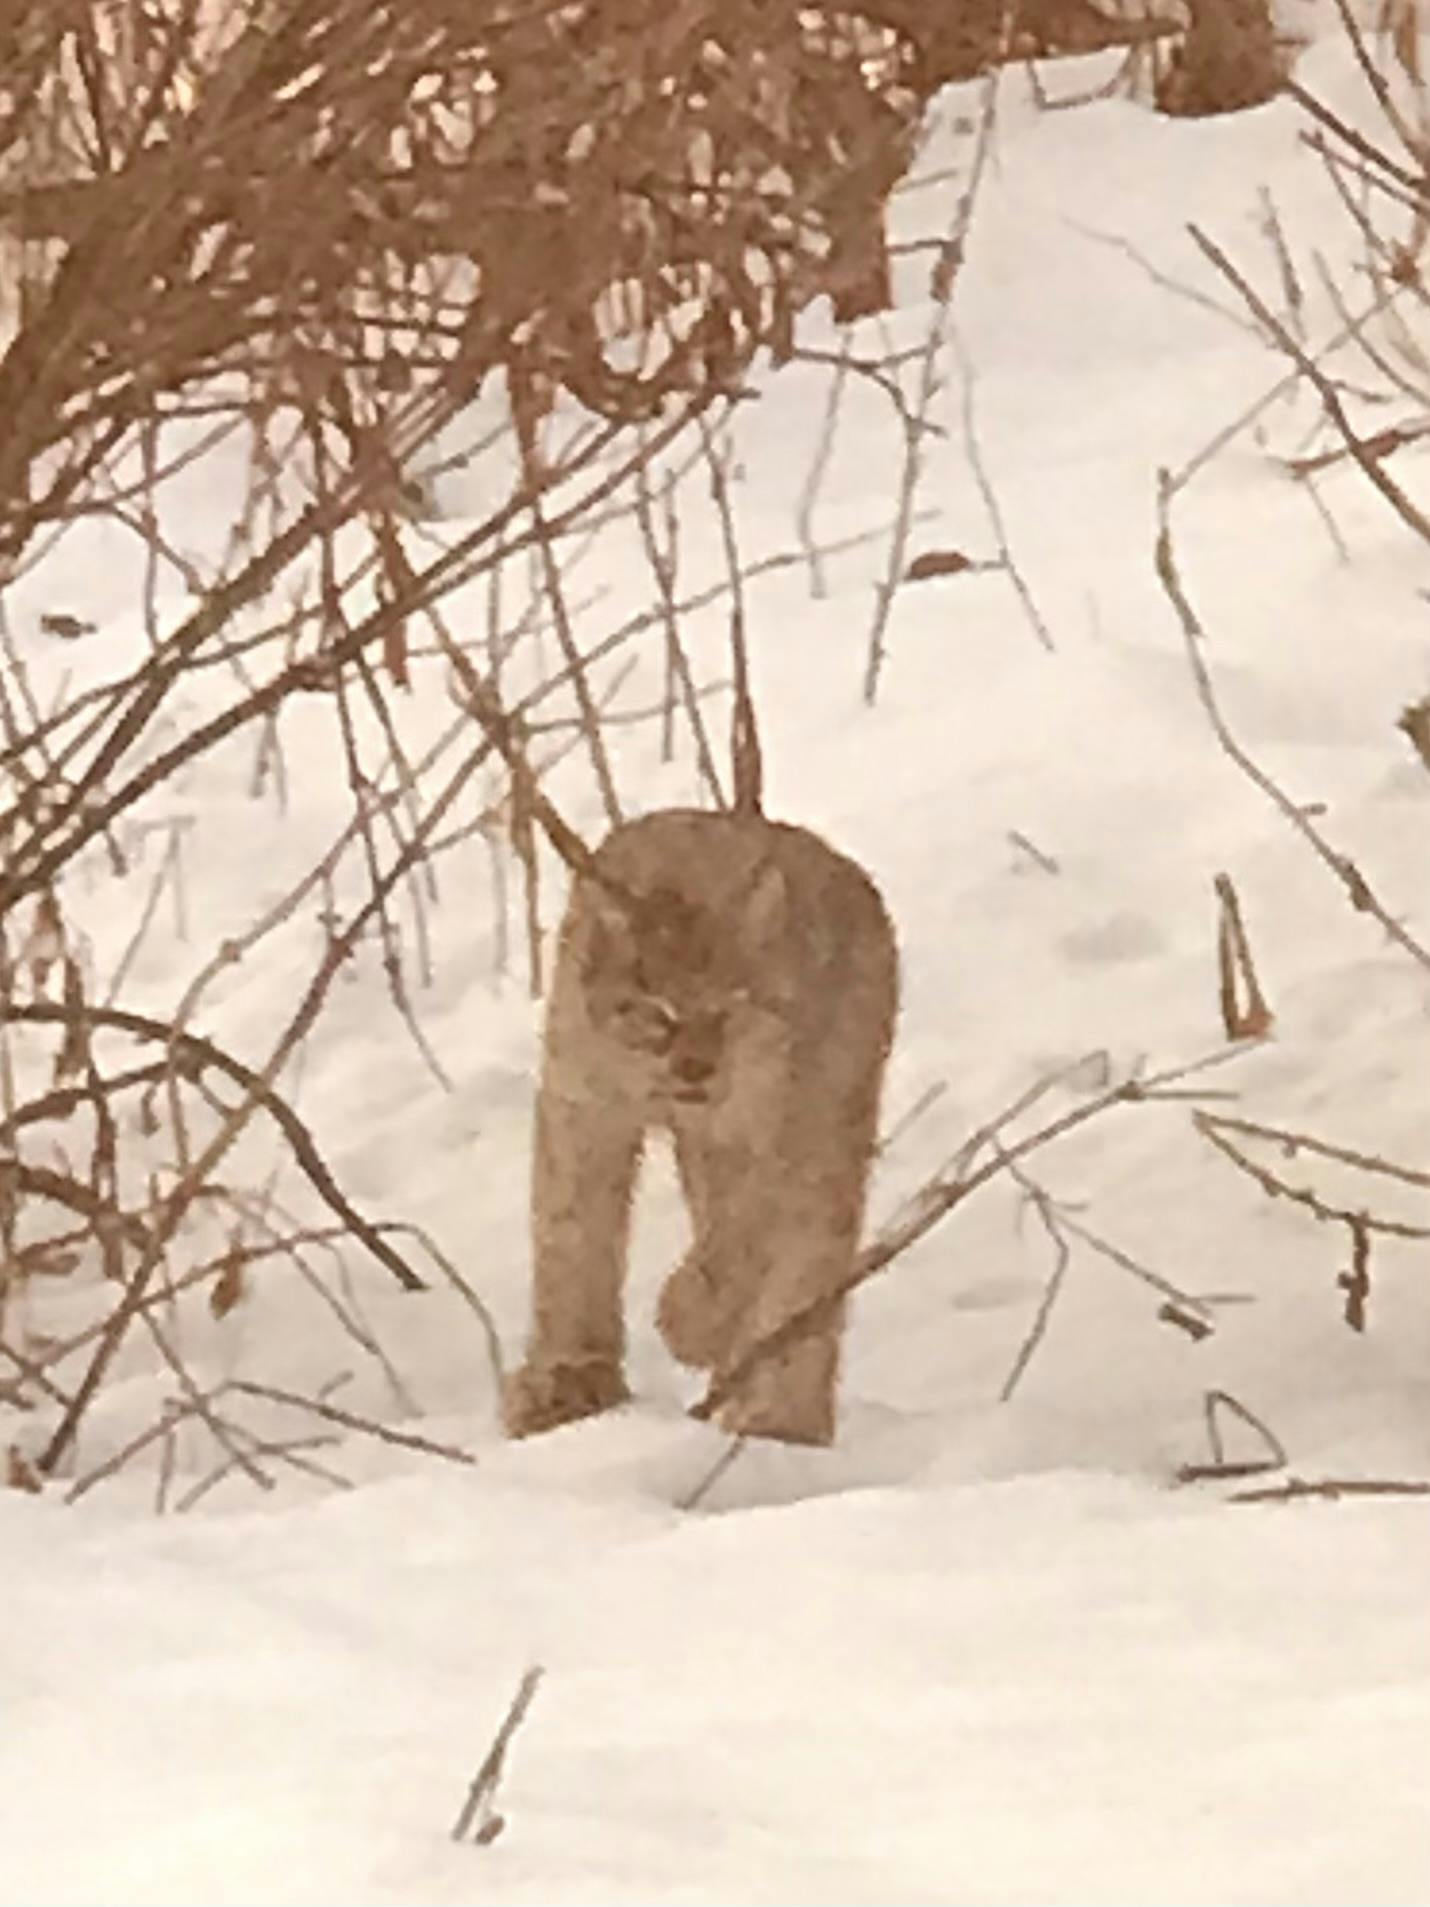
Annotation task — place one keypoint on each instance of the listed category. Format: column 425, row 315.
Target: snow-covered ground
column 980, row 1650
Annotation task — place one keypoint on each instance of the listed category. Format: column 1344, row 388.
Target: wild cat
column 732, row 981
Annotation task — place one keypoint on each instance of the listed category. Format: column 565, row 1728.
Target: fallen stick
column 478, row 1816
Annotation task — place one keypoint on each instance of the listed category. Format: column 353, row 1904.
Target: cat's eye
column 647, row 1022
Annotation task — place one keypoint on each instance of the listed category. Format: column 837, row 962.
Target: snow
column 1057, row 1687
column 980, row 1651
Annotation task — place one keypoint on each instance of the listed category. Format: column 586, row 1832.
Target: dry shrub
column 342, row 203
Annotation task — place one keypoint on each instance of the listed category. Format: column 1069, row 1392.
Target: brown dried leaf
column 20, row 1473
column 1402, row 19
column 394, row 652
column 69, row 628
column 1195, row 1327
column 393, row 373
column 74, row 1053
column 1414, row 724
column 937, row 563
column 230, row 1286
column 46, row 1258
column 46, row 943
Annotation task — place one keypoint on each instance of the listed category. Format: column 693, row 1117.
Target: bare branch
column 1357, row 888
column 350, row 1420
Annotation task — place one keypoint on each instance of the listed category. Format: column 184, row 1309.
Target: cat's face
column 669, row 983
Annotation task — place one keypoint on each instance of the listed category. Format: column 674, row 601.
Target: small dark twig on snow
column 478, row 1817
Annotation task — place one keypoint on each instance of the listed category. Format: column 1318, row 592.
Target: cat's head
column 669, row 980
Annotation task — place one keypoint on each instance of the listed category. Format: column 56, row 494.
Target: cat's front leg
column 583, row 1175
column 815, row 1175
column 699, row 1306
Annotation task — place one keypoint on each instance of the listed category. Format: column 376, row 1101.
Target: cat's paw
column 781, row 1422
column 694, row 1324
column 789, row 1397
column 542, row 1396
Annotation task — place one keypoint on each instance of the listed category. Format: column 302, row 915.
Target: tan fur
column 732, row 981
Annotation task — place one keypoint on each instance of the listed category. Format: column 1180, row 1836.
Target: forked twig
column 1062, row 1258
column 1190, row 1314
column 1219, row 1130
column 1248, row 1017
column 1219, row 1469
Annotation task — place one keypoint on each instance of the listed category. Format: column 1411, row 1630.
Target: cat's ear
column 609, row 937
column 763, row 913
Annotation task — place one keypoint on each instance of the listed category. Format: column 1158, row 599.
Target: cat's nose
column 694, row 1068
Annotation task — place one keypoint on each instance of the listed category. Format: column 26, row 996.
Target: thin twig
column 1062, row 1258
column 1219, row 1400
column 818, row 469
column 926, row 385
column 1272, row 1183
column 1292, row 1141
column 350, row 1420
column 722, row 1464
column 1331, row 1489
column 993, row 509
column 477, row 1816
